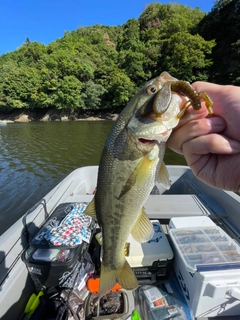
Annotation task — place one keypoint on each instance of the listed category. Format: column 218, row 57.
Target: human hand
column 211, row 143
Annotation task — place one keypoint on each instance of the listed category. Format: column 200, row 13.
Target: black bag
column 54, row 254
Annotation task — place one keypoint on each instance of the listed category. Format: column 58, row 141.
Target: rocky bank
column 26, row 115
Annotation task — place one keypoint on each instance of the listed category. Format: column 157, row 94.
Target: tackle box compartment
column 118, row 304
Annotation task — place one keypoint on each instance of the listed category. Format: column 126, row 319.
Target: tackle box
column 207, row 266
column 113, row 305
column 150, row 260
column 56, row 253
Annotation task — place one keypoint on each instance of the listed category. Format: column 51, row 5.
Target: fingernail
column 216, row 122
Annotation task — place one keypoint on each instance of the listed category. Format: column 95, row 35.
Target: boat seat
column 166, row 207
column 161, row 206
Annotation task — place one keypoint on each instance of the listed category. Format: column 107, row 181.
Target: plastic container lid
column 206, row 249
column 45, row 254
column 196, row 221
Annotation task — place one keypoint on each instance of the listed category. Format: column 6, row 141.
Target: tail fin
column 125, row 277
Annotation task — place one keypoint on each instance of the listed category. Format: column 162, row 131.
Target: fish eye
column 151, row 90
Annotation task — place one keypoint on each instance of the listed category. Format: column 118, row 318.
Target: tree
column 68, row 93
column 223, row 25
column 91, row 95
column 172, row 43
column 130, row 48
column 102, row 67
column 118, row 87
column 235, row 63
column 186, row 56
column 19, row 87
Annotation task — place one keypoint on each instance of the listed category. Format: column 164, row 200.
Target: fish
column 130, row 164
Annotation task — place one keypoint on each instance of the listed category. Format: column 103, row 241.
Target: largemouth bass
column 130, row 165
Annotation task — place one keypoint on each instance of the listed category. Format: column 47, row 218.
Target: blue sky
column 46, row 20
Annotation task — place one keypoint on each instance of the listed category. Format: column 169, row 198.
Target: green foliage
column 118, row 87
column 18, row 86
column 171, row 41
column 67, row 93
column 223, row 24
column 91, row 95
column 188, row 56
column 99, row 67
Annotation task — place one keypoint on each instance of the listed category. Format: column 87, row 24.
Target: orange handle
column 93, row 285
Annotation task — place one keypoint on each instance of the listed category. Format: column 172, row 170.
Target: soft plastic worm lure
column 184, row 88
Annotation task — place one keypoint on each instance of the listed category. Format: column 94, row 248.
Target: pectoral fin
column 139, row 175
column 91, row 210
column 142, row 230
column 144, row 170
column 163, row 176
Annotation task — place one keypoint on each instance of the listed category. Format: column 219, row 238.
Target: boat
column 187, row 197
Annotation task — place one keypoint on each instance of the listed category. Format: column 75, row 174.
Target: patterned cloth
column 74, row 228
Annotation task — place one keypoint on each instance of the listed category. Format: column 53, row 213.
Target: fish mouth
column 152, row 141
column 144, row 140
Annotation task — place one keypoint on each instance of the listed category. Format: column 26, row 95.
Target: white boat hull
column 187, row 197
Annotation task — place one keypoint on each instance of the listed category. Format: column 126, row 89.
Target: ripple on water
column 35, row 156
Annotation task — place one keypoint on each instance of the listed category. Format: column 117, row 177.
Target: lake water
column 35, row 156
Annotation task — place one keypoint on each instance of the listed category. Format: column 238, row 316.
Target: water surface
column 35, row 156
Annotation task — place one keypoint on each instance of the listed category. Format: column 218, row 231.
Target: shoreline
column 47, row 115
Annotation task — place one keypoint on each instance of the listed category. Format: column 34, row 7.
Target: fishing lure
column 161, row 99
column 184, row 88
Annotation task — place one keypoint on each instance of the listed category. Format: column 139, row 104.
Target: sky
column 46, row 20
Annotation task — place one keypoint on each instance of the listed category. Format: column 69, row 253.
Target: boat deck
column 187, row 197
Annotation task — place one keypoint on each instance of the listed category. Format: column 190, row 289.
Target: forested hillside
column 101, row 67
